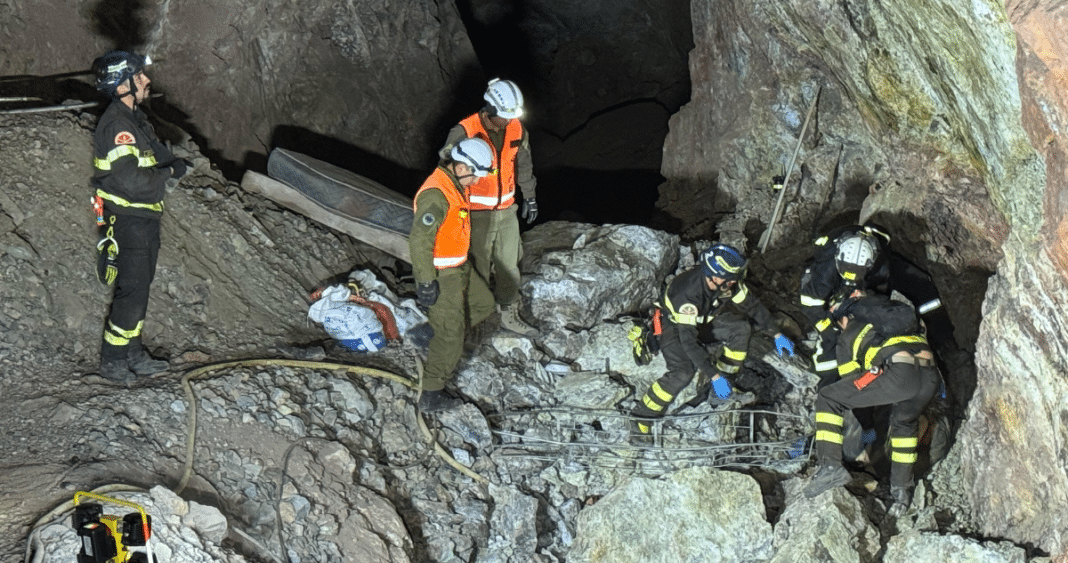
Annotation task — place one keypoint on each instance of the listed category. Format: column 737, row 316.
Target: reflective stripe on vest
column 104, row 164
column 453, row 238
column 126, row 203
column 873, row 351
column 495, row 191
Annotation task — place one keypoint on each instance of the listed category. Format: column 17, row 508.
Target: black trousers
column 730, row 328
column 138, row 241
column 907, row 387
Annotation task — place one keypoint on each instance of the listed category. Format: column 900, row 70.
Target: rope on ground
column 190, row 396
column 430, row 437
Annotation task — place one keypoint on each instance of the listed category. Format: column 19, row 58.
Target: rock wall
column 927, row 119
column 371, row 86
column 1040, row 31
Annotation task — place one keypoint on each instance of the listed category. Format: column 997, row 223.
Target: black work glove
column 426, row 293
column 529, row 211
column 178, row 169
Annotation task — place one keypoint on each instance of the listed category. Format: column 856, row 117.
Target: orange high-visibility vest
column 454, row 234
column 495, row 191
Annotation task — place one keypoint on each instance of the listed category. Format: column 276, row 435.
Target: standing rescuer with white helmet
column 131, row 170
column 712, row 293
column 496, row 246
column 447, row 286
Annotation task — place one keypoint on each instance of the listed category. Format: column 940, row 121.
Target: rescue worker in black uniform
column 884, row 359
column 713, row 293
column 131, row 170
column 859, row 257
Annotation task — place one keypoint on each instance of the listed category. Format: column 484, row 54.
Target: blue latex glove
column 722, row 387
column 783, row 343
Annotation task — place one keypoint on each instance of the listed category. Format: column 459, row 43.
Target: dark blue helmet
column 723, row 261
column 116, row 67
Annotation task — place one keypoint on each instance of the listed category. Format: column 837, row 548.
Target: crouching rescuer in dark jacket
column 131, row 170
column 884, row 359
column 712, row 293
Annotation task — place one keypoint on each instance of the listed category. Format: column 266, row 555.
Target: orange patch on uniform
column 124, row 138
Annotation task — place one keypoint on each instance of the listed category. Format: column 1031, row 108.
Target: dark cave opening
column 602, row 192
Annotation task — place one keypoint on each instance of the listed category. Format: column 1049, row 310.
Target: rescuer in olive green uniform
column 446, row 285
column 496, row 246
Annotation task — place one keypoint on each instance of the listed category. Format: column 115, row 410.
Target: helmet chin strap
column 131, row 92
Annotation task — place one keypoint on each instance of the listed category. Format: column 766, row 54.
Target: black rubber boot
column 827, row 478
column 902, row 498
column 141, row 363
column 641, row 433
column 117, row 371
column 436, row 401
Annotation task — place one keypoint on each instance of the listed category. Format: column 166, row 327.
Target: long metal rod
column 50, row 108
column 764, row 240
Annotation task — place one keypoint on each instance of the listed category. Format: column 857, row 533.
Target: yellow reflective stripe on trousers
column 125, row 203
column 904, row 449
column 903, row 457
column 120, row 151
column 118, row 337
column 902, row 443
column 828, row 436
column 664, row 396
column 829, row 418
column 736, row 355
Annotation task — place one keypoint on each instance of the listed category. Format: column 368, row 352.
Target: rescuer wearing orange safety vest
column 495, row 243
column 446, row 285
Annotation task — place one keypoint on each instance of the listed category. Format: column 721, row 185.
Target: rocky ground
column 309, row 452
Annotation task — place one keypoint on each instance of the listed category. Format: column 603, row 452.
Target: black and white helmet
column 855, row 254
column 476, row 154
column 505, row 98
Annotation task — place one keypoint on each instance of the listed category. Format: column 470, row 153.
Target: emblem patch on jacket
column 124, row 138
column 688, row 309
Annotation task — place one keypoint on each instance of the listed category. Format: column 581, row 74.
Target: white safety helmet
column 856, row 253
column 505, row 98
column 475, row 153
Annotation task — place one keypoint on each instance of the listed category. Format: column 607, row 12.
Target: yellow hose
column 364, row 371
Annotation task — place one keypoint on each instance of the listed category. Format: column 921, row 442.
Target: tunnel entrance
column 599, row 86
